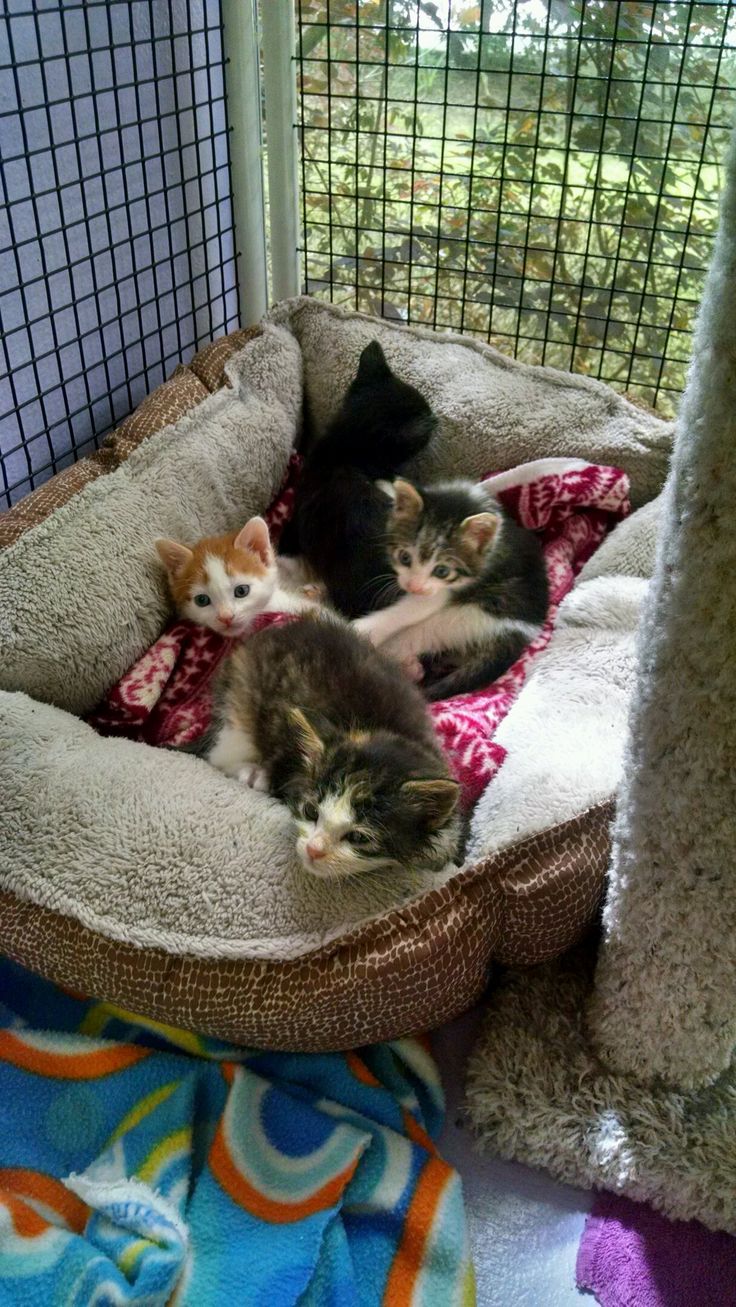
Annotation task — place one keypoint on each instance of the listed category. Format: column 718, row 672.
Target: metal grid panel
column 540, row 173
column 116, row 235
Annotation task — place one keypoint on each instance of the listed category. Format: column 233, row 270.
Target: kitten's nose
column 416, row 587
column 225, row 618
column 316, row 848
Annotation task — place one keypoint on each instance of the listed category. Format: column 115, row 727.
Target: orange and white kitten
column 225, row 582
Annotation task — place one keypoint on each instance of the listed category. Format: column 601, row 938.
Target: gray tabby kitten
column 475, row 587
column 315, row 715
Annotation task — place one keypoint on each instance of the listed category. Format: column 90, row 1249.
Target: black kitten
column 326, row 724
column 473, row 587
column 340, row 515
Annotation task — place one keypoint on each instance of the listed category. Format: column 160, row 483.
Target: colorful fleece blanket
column 165, row 698
column 143, row 1165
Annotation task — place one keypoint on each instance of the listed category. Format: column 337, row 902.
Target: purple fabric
column 630, row 1256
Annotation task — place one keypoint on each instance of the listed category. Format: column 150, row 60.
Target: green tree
column 540, row 173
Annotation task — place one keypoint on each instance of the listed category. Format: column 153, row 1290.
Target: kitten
column 474, row 585
column 333, row 729
column 340, row 515
column 225, row 582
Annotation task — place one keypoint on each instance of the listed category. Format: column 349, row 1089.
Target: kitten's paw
column 254, row 778
column 365, row 627
column 412, row 666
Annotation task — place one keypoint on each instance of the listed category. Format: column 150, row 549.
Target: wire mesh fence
column 539, row 173
column 116, row 236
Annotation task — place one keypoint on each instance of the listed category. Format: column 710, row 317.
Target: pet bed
column 146, row 878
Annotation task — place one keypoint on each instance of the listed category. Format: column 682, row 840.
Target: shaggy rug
column 537, row 1092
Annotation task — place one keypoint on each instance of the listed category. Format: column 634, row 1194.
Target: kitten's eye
column 241, row 591
column 202, row 600
column 441, row 571
column 404, row 557
column 358, row 838
column 310, row 811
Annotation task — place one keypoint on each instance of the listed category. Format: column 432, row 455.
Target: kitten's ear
column 408, row 502
column 435, row 801
column 372, row 365
column 173, row 555
column 254, row 536
column 308, row 741
column 480, row 530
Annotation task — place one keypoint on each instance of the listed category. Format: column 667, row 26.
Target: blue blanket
column 140, row 1164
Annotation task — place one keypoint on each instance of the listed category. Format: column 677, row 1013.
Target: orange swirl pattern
column 18, row 1185
column 277, row 1211
column 418, row 1226
column 77, row 1064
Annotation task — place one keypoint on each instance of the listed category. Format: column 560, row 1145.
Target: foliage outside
column 543, row 174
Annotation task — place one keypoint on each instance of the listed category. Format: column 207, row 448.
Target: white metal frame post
column 243, row 86
column 279, row 86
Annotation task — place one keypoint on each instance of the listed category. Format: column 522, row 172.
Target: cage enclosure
column 482, row 188
column 541, row 174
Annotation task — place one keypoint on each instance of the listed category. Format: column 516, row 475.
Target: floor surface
column 524, row 1228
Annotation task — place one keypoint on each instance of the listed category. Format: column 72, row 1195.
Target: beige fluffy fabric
column 494, row 412
column 537, row 1093
column 159, row 849
column 82, row 595
column 565, row 734
column 155, row 848
column 665, row 998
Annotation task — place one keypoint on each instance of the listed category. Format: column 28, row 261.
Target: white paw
column 364, row 626
column 412, row 666
column 254, row 777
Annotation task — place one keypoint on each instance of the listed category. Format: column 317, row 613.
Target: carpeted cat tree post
column 619, row 1073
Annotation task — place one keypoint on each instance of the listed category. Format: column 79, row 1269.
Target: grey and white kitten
column 475, row 587
column 315, row 715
